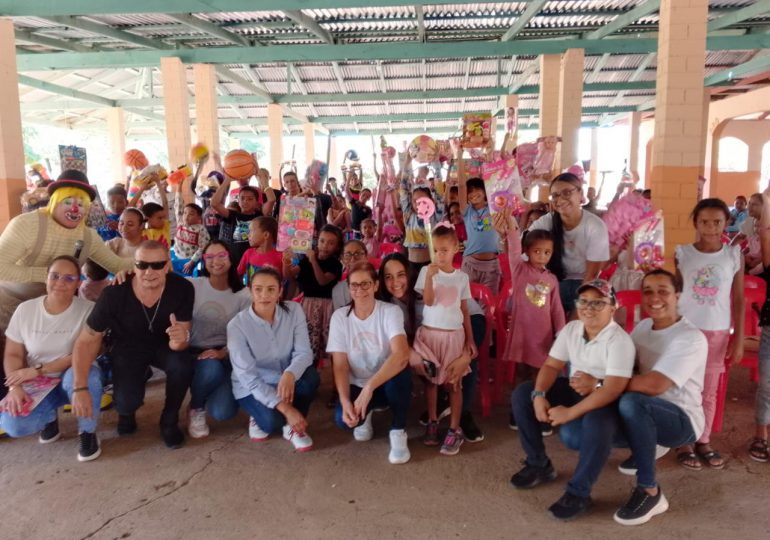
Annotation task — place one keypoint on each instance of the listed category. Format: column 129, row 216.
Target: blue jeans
column 591, row 434
column 211, row 388
column 270, row 420
column 647, row 421
column 479, row 328
column 568, row 293
column 396, row 394
column 46, row 411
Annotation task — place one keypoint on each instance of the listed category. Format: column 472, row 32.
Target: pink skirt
column 440, row 347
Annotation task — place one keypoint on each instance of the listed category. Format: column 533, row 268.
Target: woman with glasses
column 353, row 253
column 595, row 346
column 219, row 296
column 580, row 241
column 38, row 352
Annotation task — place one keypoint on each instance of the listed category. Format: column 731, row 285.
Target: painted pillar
column 678, row 146
column 634, row 121
column 570, row 106
column 309, row 132
column 334, row 169
column 206, row 118
column 12, row 181
column 594, row 172
column 175, row 102
column 548, row 99
column 116, row 126
column 275, row 132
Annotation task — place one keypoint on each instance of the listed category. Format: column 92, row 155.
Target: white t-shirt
column 610, row 353
column 678, row 352
column 366, row 342
column 708, row 281
column 47, row 337
column 448, row 291
column 212, row 310
column 589, row 241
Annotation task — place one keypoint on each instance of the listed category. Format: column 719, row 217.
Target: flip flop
column 689, row 460
column 712, row 458
column 759, row 450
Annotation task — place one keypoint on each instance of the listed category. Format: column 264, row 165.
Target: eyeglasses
column 155, row 265
column 66, row 278
column 593, row 305
column 364, row 286
column 564, row 193
column 354, row 255
column 212, row 256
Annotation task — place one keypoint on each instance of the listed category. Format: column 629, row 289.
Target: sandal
column 759, row 450
column 689, row 460
column 712, row 458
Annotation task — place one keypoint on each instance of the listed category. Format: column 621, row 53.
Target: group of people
column 196, row 288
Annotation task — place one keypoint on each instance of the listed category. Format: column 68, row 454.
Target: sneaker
column 255, row 432
column 452, row 442
column 530, row 476
column 546, row 430
column 399, row 451
column 89, row 447
column 197, row 426
column 3, row 434
column 431, row 434
column 512, row 423
column 628, row 466
column 472, row 432
column 126, row 424
column 641, row 507
column 365, row 431
column 50, row 433
column 301, row 441
column 441, row 415
column 569, row 507
column 172, row 436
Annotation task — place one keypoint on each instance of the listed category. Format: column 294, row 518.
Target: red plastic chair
column 389, row 247
column 608, row 272
column 630, row 300
column 505, row 269
column 483, row 296
column 376, row 262
column 504, row 371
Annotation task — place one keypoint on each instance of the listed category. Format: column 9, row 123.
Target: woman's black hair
column 535, row 236
column 70, row 259
column 336, row 231
column 703, row 204
column 273, row 273
column 556, row 265
column 676, row 281
column 363, row 266
column 384, row 294
column 233, row 279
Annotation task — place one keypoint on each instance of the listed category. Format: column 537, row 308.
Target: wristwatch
column 537, row 393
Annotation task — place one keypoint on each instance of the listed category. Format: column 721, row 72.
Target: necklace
column 155, row 313
column 481, row 224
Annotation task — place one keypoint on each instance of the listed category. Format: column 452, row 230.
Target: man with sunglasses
column 148, row 317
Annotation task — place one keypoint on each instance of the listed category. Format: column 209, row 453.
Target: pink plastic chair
column 505, row 269
column 376, row 262
column 504, row 371
column 483, row 296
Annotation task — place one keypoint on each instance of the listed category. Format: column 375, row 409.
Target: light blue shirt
column 260, row 352
column 482, row 236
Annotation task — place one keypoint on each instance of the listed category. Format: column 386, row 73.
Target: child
column 97, row 279
column 234, row 227
column 445, row 337
column 456, row 219
column 117, row 200
column 157, row 227
column 415, row 239
column 371, row 233
column 712, row 274
column 190, row 240
column 317, row 274
column 263, row 235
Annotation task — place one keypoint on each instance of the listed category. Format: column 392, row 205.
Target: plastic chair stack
column 483, row 296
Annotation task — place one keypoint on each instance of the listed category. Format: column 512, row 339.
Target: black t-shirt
column 359, row 213
column 234, row 231
column 120, row 311
column 308, row 283
column 322, row 205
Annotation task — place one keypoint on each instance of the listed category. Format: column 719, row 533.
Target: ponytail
column 556, row 265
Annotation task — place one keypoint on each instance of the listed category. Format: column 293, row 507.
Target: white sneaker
column 197, row 426
column 255, row 432
column 365, row 431
column 661, row 451
column 301, row 441
column 399, row 451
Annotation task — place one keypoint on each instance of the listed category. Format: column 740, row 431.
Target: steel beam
column 760, row 7
column 621, row 21
column 189, row 20
column 532, row 9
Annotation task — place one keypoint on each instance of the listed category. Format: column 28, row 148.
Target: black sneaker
column 529, row 476
column 545, row 428
column 472, row 432
column 512, row 423
column 172, row 436
column 641, row 507
column 126, row 424
column 443, row 413
column 628, row 466
column 89, row 447
column 569, row 507
column 50, row 433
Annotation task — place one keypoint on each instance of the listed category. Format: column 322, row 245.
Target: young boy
column 117, row 200
column 190, row 240
column 371, row 237
column 157, row 225
column 263, row 235
column 234, row 228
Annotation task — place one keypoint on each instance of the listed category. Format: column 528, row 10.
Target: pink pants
column 715, row 366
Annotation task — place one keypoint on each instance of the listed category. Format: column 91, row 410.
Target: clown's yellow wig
column 65, row 193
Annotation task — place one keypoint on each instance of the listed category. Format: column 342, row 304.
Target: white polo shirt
column 610, row 353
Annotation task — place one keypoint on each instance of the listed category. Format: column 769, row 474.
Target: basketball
column 240, row 165
column 135, row 159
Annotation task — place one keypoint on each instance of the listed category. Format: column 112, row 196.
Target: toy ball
column 423, row 149
column 176, row 177
column 135, row 159
column 240, row 165
column 217, row 176
column 351, row 155
column 389, row 152
column 199, row 153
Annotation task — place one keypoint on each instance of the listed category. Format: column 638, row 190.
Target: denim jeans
column 479, row 328
column 211, row 388
column 568, row 293
column 763, row 389
column 270, row 420
column 591, row 434
column 647, row 421
column 46, row 411
column 396, row 394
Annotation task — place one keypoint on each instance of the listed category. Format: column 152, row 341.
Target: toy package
column 503, row 185
column 477, row 130
column 624, row 215
column 37, row 389
column 295, row 224
column 648, row 243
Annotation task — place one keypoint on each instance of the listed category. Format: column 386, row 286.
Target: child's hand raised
column 432, row 270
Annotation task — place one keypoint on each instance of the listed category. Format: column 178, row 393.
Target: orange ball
column 240, row 165
column 135, row 159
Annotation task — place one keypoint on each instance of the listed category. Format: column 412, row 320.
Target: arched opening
column 733, row 155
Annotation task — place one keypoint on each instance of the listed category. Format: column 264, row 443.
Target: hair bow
column 445, row 224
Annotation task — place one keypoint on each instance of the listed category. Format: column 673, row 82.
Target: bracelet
column 80, row 389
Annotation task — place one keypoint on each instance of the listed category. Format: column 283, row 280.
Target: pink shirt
column 253, row 260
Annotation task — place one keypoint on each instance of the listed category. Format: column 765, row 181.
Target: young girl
column 456, row 219
column 316, row 275
column 415, row 239
column 713, row 285
column 445, row 339
column 263, row 236
column 371, row 234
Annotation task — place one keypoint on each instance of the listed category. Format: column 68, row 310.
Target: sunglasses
column 155, row 265
column 66, row 278
column 212, row 256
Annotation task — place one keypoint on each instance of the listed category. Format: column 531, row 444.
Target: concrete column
column 116, row 126
column 206, row 118
column 593, row 175
column 570, row 106
column 550, row 65
column 309, row 133
column 12, row 182
column 175, row 102
column 275, row 132
column 511, row 109
column 334, row 169
column 634, row 121
column 678, row 146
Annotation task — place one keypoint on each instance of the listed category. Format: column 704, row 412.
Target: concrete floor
column 228, row 487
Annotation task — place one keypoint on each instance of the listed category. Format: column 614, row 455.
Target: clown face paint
column 70, row 212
